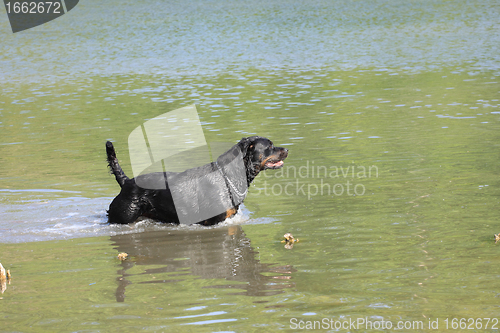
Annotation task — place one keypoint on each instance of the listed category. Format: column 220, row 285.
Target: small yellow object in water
column 4, row 279
column 497, row 238
column 289, row 240
column 122, row 256
column 2, row 272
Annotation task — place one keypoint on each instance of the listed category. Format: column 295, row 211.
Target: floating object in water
column 4, row 278
column 4, row 274
column 289, row 240
column 497, row 238
column 122, row 256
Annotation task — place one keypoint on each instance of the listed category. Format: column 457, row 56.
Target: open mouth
column 274, row 164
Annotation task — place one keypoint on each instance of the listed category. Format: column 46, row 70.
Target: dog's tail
column 116, row 169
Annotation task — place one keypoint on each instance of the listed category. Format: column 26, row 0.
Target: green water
column 391, row 184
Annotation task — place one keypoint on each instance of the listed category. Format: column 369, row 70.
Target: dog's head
column 260, row 154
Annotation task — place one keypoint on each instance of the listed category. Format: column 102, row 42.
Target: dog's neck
column 253, row 169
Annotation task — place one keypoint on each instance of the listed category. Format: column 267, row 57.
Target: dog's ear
column 244, row 145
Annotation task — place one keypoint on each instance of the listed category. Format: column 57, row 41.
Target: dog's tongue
column 274, row 165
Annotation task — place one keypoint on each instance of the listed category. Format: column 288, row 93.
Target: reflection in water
column 217, row 253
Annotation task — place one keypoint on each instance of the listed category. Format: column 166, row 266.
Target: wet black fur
column 134, row 201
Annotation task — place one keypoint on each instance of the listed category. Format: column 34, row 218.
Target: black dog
column 133, row 201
